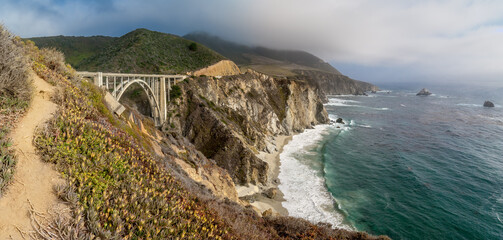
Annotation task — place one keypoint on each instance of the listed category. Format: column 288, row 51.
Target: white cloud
column 450, row 39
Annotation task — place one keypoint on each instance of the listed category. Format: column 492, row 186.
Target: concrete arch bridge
column 157, row 88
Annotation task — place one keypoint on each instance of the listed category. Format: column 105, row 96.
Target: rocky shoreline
column 267, row 199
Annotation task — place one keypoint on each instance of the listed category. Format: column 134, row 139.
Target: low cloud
column 451, row 40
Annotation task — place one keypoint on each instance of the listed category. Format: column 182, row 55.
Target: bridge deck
column 92, row 74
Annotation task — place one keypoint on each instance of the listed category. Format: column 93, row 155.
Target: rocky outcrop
column 335, row 84
column 230, row 119
column 222, row 68
column 488, row 104
column 424, row 92
column 199, row 168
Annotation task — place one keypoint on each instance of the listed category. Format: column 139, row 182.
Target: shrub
column 193, row 46
column 54, row 60
column 14, row 67
column 49, row 63
column 175, row 92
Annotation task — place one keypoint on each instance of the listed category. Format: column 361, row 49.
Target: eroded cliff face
column 221, row 68
column 231, row 119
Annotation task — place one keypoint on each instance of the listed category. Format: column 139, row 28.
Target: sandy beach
column 268, row 196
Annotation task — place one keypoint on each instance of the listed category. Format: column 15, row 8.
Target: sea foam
column 304, row 189
column 339, row 102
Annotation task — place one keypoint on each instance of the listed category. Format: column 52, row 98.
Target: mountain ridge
column 243, row 55
column 299, row 65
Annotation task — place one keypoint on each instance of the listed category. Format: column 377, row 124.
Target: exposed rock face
column 271, row 193
column 230, row 119
column 199, row 168
column 222, row 68
column 488, row 104
column 424, row 92
column 336, row 84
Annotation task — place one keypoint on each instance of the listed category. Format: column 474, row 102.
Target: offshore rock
column 423, row 92
column 488, row 104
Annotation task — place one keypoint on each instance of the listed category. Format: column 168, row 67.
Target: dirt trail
column 33, row 179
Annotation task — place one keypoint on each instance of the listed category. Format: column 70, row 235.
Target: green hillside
column 75, row 49
column 141, row 50
column 260, row 56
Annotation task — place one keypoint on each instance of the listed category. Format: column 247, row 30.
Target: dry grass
column 14, row 68
column 7, row 161
column 15, row 94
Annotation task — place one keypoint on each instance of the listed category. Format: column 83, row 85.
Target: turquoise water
column 405, row 166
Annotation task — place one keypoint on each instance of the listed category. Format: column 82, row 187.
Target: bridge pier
column 162, row 100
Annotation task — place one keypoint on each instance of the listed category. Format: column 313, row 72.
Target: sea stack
column 424, row 92
column 488, row 104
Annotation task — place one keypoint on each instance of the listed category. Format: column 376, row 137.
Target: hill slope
column 141, row 50
column 75, row 49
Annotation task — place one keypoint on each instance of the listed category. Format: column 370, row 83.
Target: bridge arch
column 154, row 103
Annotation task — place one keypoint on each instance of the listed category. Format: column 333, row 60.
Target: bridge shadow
column 136, row 98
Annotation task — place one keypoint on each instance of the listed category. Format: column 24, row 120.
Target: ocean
column 402, row 165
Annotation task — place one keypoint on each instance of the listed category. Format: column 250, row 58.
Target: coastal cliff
column 232, row 119
column 336, row 84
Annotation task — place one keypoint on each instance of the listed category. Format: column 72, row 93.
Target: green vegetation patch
column 175, row 92
column 278, row 100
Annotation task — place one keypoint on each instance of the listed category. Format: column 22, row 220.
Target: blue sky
column 448, row 41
